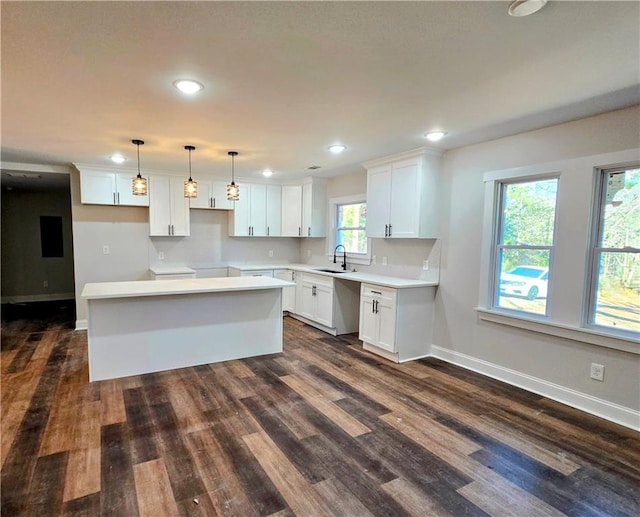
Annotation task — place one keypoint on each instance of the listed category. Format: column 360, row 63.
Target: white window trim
column 363, row 259
column 564, row 327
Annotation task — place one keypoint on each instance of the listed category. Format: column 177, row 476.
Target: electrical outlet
column 597, row 371
column 425, row 265
column 105, row 250
column 45, row 283
column 270, row 253
column 161, row 255
column 384, row 261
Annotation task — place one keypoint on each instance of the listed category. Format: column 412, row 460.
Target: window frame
column 331, row 241
column 497, row 246
column 595, row 250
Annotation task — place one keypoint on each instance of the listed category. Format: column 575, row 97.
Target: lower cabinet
column 317, row 299
column 396, row 323
column 288, row 293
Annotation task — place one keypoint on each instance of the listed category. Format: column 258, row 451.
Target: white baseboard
column 608, row 410
column 38, row 298
column 82, row 324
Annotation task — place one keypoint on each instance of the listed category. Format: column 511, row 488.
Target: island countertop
column 97, row 291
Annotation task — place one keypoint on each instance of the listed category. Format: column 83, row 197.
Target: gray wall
column 24, row 270
column 560, row 361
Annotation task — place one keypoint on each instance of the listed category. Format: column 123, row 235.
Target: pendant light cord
column 138, row 146
column 190, row 165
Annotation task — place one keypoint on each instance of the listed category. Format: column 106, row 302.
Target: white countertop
column 171, row 270
column 180, row 286
column 355, row 276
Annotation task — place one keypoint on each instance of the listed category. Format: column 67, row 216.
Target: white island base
column 137, row 329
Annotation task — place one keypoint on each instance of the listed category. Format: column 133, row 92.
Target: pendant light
column 233, row 191
column 190, row 186
column 138, row 183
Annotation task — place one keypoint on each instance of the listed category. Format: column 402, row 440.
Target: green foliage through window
column 351, row 227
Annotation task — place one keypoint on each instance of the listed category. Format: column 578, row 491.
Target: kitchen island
column 150, row 326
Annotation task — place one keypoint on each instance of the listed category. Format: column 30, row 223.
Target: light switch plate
column 597, row 371
column 161, row 255
column 105, row 250
column 384, row 261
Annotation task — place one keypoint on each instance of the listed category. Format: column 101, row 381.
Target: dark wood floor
column 322, row 429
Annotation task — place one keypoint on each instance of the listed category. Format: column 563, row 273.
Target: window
column 524, row 244
column 351, row 222
column 615, row 254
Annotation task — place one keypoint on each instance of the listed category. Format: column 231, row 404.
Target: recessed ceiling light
column 520, row 8
column 118, row 158
column 267, row 173
column 434, row 136
column 337, row 148
column 188, row 86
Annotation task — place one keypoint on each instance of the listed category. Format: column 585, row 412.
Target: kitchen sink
column 330, row 271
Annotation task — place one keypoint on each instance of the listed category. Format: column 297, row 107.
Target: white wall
column 24, row 270
column 559, row 361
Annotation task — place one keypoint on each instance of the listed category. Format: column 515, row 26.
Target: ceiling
column 284, row 80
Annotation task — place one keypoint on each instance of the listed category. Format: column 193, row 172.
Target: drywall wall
column 562, row 362
column 24, row 270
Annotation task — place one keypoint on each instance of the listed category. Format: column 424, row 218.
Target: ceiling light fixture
column 233, row 191
column 118, row 158
column 519, row 8
column 267, row 173
column 337, row 148
column 435, row 136
column 190, row 186
column 139, row 184
column 188, row 86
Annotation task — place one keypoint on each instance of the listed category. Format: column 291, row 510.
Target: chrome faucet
column 344, row 256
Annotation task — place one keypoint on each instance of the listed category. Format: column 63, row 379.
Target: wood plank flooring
column 322, row 429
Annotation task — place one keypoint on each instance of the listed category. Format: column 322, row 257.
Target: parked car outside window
column 527, row 281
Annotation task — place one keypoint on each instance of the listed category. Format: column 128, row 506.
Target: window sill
column 584, row 335
column 361, row 261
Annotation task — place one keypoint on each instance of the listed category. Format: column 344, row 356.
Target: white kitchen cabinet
column 397, row 323
column 327, row 303
column 291, row 211
column 288, row 293
column 258, row 211
column 314, row 207
column 212, row 195
column 402, row 194
column 168, row 208
column 102, row 187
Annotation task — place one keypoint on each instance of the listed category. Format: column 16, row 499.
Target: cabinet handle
column 267, row 231
column 293, row 276
column 386, row 230
column 299, row 231
column 114, row 198
column 376, row 302
column 168, row 229
column 313, row 291
column 390, row 226
column 309, row 232
column 213, row 202
column 373, row 306
column 376, row 292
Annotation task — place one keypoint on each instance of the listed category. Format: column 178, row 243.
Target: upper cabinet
column 211, row 195
column 292, row 210
column 402, row 197
column 101, row 187
column 257, row 212
column 168, row 208
column 314, row 207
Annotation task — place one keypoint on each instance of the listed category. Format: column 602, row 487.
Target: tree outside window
column 351, row 227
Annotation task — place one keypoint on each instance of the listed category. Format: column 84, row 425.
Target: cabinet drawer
column 262, row 272
column 376, row 291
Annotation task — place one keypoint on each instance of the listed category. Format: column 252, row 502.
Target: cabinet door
column 314, row 209
column 97, row 188
column 159, row 205
column 288, row 293
column 239, row 221
column 307, row 307
column 179, row 208
column 368, row 321
column 258, row 210
column 203, row 199
column 324, row 305
column 405, row 197
column 378, row 192
column 386, row 313
column 291, row 211
column 274, row 211
column 219, row 195
column 124, row 191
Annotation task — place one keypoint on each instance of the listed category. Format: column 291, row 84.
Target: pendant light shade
column 138, row 183
column 233, row 191
column 190, row 186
